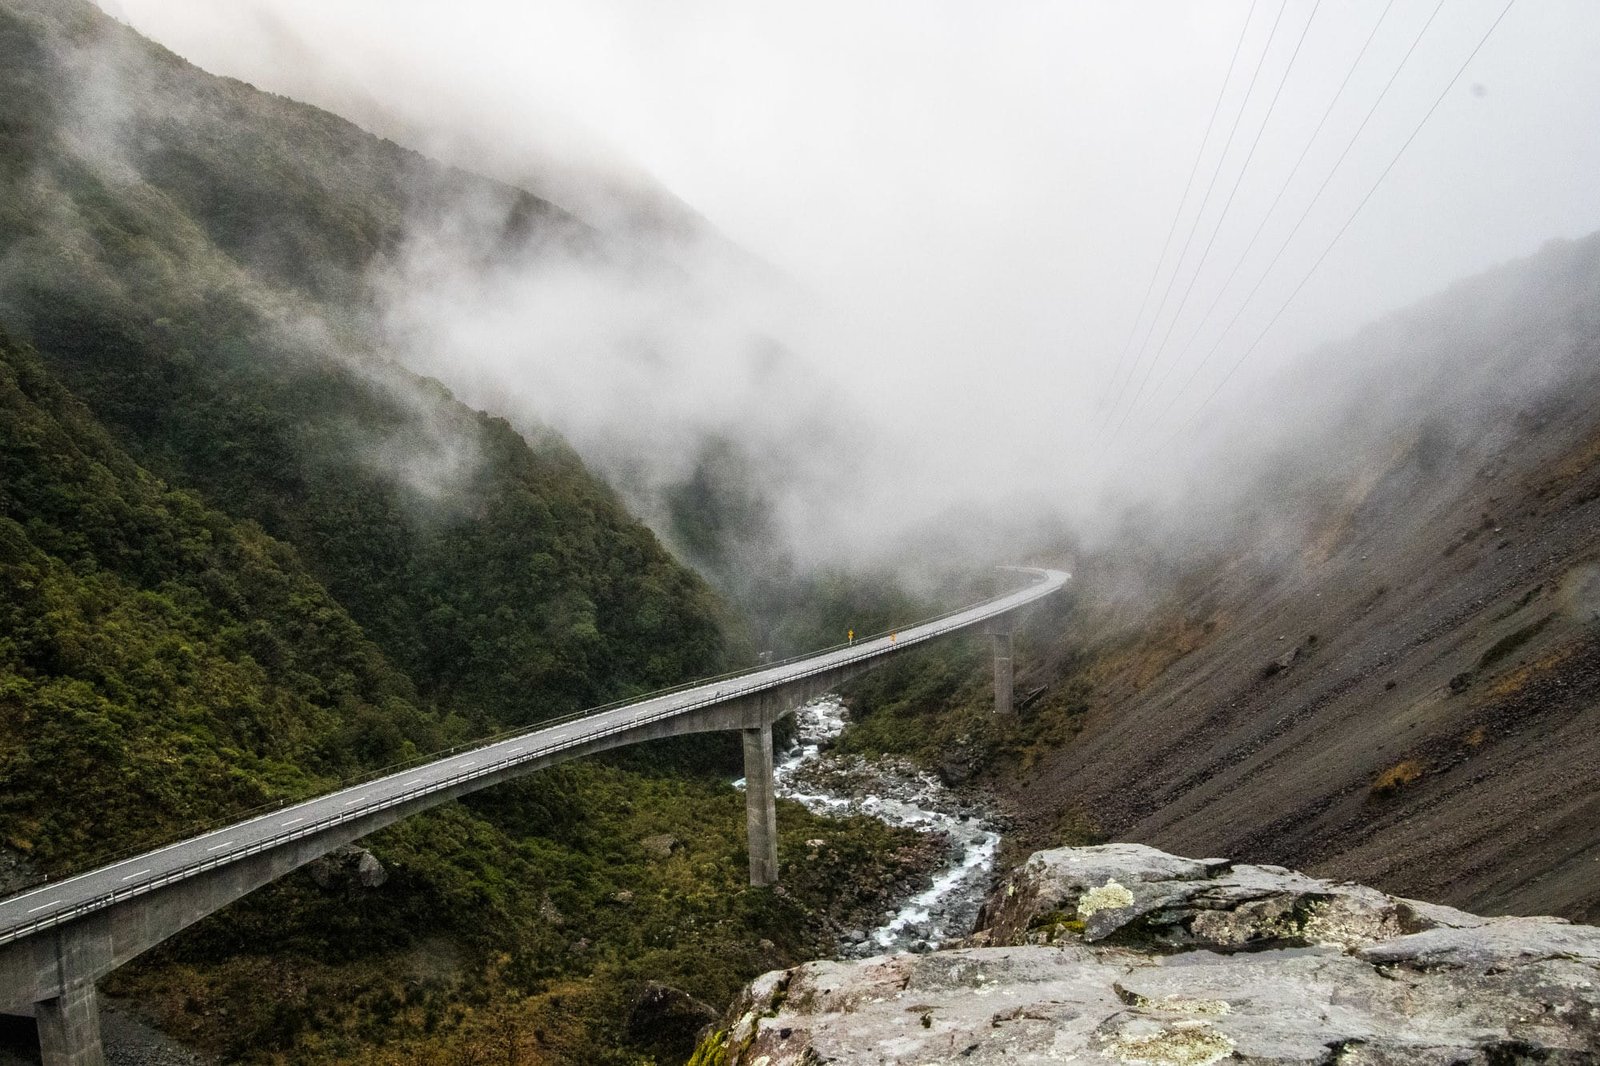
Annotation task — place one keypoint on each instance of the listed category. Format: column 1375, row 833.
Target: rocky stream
column 902, row 795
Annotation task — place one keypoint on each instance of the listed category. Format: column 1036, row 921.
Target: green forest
column 245, row 555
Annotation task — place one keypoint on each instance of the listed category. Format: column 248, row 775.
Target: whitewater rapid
column 901, row 796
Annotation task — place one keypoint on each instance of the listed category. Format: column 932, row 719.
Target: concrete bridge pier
column 760, row 805
column 69, row 1028
column 1000, row 629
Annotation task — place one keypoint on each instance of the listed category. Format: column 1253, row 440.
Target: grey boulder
column 1124, row 954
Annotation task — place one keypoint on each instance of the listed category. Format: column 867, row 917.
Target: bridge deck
column 62, row 901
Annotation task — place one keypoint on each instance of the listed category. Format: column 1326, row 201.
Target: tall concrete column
column 69, row 1028
column 1002, row 669
column 760, row 807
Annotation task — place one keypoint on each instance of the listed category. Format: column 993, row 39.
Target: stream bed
column 902, row 795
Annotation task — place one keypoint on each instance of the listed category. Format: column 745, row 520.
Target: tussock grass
column 1401, row 775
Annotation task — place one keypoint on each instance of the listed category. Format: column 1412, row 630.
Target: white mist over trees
column 958, row 209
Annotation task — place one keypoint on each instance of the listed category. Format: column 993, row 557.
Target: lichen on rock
column 1109, row 896
column 1182, row 1044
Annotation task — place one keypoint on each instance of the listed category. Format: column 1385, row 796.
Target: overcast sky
column 977, row 193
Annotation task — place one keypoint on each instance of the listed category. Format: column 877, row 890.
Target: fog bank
column 897, row 256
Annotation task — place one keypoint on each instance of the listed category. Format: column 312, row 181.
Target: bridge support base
column 1002, row 672
column 69, row 1028
column 761, row 812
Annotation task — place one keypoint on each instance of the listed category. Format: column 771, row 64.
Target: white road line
column 216, row 847
column 34, row 892
column 469, row 762
column 42, row 906
column 352, row 803
column 292, row 821
column 141, row 873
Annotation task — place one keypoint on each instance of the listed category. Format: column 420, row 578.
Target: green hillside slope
column 243, row 555
column 160, row 664
column 187, row 253
column 163, row 665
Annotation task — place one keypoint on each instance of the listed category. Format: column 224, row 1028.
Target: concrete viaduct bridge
column 56, row 940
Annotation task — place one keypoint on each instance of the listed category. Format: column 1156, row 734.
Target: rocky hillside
column 1404, row 690
column 1124, row 954
column 1368, row 646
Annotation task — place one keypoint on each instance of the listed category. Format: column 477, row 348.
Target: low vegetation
column 936, row 706
column 1509, row 643
column 160, row 663
column 1401, row 775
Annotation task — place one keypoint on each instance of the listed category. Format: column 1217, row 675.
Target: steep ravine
column 1385, row 664
column 898, row 794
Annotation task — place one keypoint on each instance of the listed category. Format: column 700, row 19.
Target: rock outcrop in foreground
column 1125, row 954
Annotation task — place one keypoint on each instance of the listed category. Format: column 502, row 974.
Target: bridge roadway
column 57, row 939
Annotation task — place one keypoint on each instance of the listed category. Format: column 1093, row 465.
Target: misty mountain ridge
column 1375, row 654
column 189, row 265
column 301, row 228
column 1461, row 375
column 607, row 193
column 355, row 248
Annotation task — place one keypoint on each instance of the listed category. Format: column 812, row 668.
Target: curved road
column 57, row 902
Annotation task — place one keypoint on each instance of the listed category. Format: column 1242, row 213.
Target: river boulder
column 348, row 868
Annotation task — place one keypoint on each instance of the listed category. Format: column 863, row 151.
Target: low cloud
column 924, row 240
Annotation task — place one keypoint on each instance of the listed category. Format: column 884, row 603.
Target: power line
column 1223, row 217
column 1347, row 223
column 1315, row 198
column 1166, row 244
column 1204, row 200
column 1294, row 172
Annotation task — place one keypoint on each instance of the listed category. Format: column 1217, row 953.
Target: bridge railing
column 916, row 633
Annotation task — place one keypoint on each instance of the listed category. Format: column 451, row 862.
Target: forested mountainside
column 187, row 255
column 161, row 663
column 195, row 260
column 1382, row 662
column 244, row 556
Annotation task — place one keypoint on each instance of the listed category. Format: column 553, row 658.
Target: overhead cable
column 1223, row 217
column 1347, row 223
column 1315, row 199
column 1204, row 200
column 1288, row 182
column 1172, row 227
